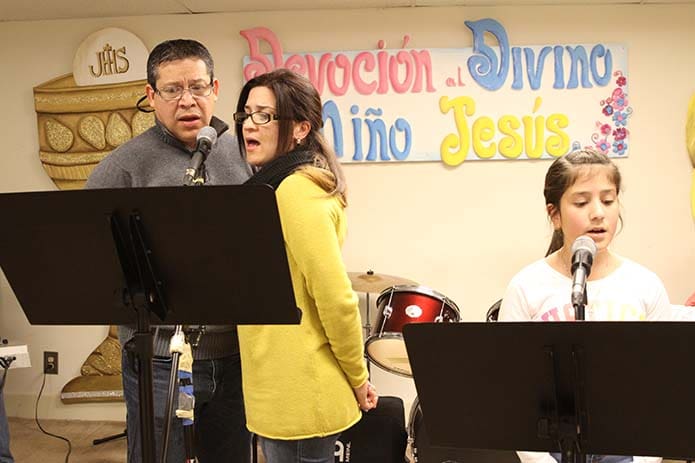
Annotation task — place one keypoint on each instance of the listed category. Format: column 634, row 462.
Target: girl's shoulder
column 537, row 271
column 540, row 266
column 632, row 271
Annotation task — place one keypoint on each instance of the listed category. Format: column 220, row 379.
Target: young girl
column 581, row 195
column 303, row 384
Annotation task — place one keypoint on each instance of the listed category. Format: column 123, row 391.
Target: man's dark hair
column 172, row 50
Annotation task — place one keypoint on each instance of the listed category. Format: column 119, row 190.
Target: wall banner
column 454, row 105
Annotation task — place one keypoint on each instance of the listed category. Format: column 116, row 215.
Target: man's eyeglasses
column 175, row 92
column 257, row 117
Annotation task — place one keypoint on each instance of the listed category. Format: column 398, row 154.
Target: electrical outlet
column 50, row 363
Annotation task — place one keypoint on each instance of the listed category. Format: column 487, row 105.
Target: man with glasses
column 182, row 90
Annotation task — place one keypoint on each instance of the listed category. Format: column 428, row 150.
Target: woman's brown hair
column 296, row 101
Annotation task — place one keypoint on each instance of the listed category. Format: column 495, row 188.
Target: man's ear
column 149, row 91
column 215, row 88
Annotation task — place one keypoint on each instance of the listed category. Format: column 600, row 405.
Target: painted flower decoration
column 618, row 99
column 619, row 147
column 603, row 146
column 620, row 133
column 619, row 103
column 620, row 118
column 611, row 130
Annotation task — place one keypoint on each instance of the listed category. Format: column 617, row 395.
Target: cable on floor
column 36, row 418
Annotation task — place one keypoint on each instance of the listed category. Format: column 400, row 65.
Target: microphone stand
column 572, row 450
column 579, row 308
column 180, row 355
column 177, row 347
column 583, row 252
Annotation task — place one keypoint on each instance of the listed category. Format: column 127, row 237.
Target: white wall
column 463, row 231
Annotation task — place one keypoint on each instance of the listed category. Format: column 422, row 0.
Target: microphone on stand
column 207, row 136
column 583, row 252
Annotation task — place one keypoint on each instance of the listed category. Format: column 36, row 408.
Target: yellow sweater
column 298, row 379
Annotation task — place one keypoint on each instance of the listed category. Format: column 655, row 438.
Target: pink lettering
column 341, row 61
column 402, row 57
column 423, row 60
column 297, row 63
column 369, row 64
column 551, row 315
column 382, row 58
column 259, row 63
column 404, row 71
column 569, row 312
column 318, row 78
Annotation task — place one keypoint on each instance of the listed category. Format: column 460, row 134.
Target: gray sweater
column 156, row 158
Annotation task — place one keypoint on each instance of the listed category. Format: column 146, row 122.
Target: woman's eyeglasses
column 257, row 117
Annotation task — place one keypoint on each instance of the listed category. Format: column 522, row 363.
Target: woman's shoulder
column 298, row 182
column 302, row 194
column 310, row 181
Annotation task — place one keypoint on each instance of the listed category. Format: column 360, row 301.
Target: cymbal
column 370, row 282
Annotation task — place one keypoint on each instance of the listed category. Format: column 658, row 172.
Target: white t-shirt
column 631, row 292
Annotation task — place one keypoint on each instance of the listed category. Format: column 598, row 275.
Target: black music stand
column 147, row 256
column 609, row 388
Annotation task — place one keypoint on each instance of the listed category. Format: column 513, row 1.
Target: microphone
column 583, row 252
column 207, row 136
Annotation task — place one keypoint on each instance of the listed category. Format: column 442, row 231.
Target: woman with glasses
column 303, row 384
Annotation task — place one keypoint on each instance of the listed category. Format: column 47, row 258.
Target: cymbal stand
column 368, row 325
column 367, row 328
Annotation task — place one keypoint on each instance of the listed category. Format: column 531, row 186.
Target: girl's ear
column 554, row 214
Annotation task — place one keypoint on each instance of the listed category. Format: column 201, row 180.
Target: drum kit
column 401, row 301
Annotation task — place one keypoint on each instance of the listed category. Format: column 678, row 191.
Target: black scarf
column 280, row 168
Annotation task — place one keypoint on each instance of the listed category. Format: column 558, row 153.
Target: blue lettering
column 535, row 75
column 330, row 112
column 489, row 66
column 486, row 69
column 578, row 57
column 517, row 69
column 356, row 133
column 377, row 128
column 599, row 51
column 559, row 69
column 401, row 125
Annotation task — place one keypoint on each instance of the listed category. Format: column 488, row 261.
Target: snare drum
column 398, row 306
